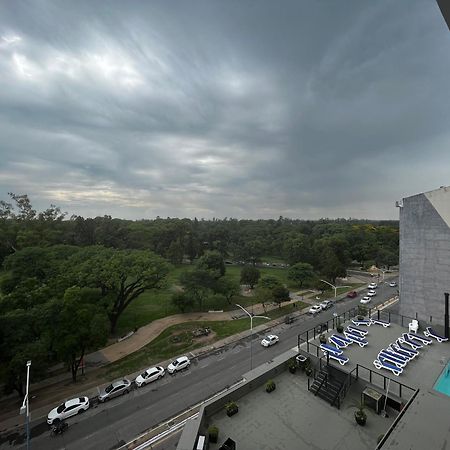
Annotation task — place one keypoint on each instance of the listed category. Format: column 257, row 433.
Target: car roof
column 182, row 358
column 119, row 382
column 271, row 336
column 74, row 401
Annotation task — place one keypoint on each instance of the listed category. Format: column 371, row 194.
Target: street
column 120, row 420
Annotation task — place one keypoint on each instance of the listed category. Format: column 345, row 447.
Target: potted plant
column 213, row 433
column 360, row 413
column 270, row 386
column 292, row 365
column 308, row 368
column 322, row 339
column 231, row 408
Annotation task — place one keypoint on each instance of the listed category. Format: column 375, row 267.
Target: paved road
column 106, row 426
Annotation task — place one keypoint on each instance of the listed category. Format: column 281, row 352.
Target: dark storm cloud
column 209, row 108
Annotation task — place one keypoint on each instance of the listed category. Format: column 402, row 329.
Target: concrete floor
column 292, row 418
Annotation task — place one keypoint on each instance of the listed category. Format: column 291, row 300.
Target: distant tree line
column 65, row 282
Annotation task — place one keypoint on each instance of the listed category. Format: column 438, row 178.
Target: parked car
column 178, row 364
column 365, row 300
column 151, row 374
column 326, row 304
column 372, row 293
column 269, row 340
column 393, row 284
column 315, row 309
column 352, row 294
column 115, row 389
column 68, row 409
column 372, row 286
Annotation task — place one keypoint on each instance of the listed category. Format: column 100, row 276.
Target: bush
column 340, row 328
column 213, row 433
column 322, row 339
column 270, row 386
column 231, row 408
column 292, row 365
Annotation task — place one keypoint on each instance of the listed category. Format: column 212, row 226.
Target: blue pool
column 443, row 382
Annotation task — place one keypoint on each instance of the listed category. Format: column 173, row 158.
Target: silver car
column 115, row 389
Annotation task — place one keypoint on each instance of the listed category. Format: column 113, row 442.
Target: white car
column 372, row 293
column 68, row 409
column 365, row 300
column 372, row 286
column 178, row 364
column 269, row 340
column 151, row 374
column 393, row 284
column 326, row 304
column 315, row 309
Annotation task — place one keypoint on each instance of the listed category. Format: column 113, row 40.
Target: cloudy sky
column 237, row 108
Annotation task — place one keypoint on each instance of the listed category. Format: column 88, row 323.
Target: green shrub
column 213, row 433
column 270, row 386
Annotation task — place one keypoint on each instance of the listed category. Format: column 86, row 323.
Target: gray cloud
column 209, row 108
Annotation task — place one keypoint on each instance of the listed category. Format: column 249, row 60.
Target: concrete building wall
column 425, row 254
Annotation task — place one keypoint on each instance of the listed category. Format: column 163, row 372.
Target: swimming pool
column 443, row 382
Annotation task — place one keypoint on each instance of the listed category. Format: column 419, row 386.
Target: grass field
column 155, row 305
column 165, row 346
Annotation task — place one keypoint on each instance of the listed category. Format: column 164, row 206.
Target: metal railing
column 344, row 389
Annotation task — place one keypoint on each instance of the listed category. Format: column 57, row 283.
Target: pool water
column 443, row 382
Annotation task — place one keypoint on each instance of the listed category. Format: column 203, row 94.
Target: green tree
column 81, row 326
column 280, row 294
column 213, row 262
column 269, row 282
column 227, row 288
column 301, row 273
column 121, row 275
column 250, row 276
column 198, row 284
column 183, row 301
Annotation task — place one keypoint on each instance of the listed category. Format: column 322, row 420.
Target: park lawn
column 165, row 346
column 152, row 305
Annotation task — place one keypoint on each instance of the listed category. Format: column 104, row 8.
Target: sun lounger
column 429, row 332
column 362, row 322
column 422, row 339
column 392, row 359
column 381, row 322
column 331, row 349
column 339, row 341
column 408, row 349
column 342, row 359
column 403, row 358
column 355, row 330
column 406, row 340
column 383, row 364
column 357, row 339
column 394, row 348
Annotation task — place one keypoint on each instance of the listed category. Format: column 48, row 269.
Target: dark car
column 352, row 294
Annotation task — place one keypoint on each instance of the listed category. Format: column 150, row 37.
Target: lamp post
column 25, row 408
column 251, row 330
column 333, row 286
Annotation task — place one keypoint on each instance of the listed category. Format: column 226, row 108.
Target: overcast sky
column 237, row 108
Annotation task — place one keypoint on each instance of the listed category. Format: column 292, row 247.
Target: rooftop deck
column 291, row 418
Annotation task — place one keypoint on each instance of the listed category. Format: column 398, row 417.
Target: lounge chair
column 357, row 339
column 392, row 359
column 399, row 356
column 383, row 364
column 355, row 330
column 362, row 322
column 404, row 338
column 398, row 343
column 331, row 349
column 394, row 348
column 429, row 332
column 420, row 338
column 413, row 326
column 342, row 359
column 339, row 341
column 381, row 322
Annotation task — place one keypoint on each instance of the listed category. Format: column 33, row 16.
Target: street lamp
column 333, row 286
column 25, row 408
column 251, row 330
